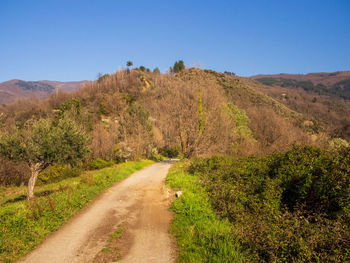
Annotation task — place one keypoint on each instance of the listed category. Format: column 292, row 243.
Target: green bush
column 55, row 173
column 99, row 164
column 122, row 153
column 291, row 207
column 152, row 154
column 170, row 151
column 315, row 179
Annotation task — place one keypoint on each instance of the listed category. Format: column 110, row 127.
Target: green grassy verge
column 201, row 235
column 24, row 224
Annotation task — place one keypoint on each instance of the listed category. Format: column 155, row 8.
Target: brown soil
column 128, row 223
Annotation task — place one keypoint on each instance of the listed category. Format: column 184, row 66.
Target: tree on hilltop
column 178, row 66
column 128, row 65
column 230, row 73
column 44, row 142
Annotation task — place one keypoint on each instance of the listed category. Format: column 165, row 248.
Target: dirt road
column 137, row 207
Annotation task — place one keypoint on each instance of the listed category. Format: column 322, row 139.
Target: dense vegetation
column 201, row 235
column 35, row 86
column 24, row 224
column 43, row 143
column 329, row 114
column 178, row 66
column 138, row 114
column 340, row 89
column 291, row 207
column 280, row 207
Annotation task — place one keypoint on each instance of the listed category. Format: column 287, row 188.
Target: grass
column 112, row 251
column 118, row 232
column 201, row 235
column 25, row 224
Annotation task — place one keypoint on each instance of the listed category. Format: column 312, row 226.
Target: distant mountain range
column 333, row 84
column 14, row 89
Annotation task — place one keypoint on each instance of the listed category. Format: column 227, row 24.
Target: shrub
column 152, row 154
column 337, row 144
column 99, row 164
column 156, row 70
column 171, row 151
column 291, row 207
column 13, row 172
column 56, row 172
column 122, row 153
column 314, row 179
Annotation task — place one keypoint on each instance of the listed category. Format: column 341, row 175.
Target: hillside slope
column 14, row 89
column 320, row 101
column 198, row 112
column 136, row 114
column 326, row 78
column 336, row 84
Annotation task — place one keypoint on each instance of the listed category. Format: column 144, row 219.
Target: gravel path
column 139, row 204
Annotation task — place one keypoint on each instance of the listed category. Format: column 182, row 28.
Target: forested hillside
column 191, row 113
column 194, row 112
column 132, row 114
column 315, row 100
column 335, row 84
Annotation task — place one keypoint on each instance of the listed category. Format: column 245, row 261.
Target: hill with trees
column 260, row 192
column 322, row 97
column 323, row 79
column 136, row 113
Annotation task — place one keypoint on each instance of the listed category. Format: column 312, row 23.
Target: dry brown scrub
column 190, row 113
column 13, row 172
column 331, row 113
column 274, row 132
column 187, row 110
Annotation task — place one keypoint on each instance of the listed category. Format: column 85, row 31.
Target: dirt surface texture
column 127, row 223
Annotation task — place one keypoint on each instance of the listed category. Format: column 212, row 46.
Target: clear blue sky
column 75, row 39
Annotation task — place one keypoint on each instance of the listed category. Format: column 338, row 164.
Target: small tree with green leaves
column 178, row 66
column 45, row 142
column 129, row 64
column 156, row 70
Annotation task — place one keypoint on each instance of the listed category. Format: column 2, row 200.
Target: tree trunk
column 34, row 169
